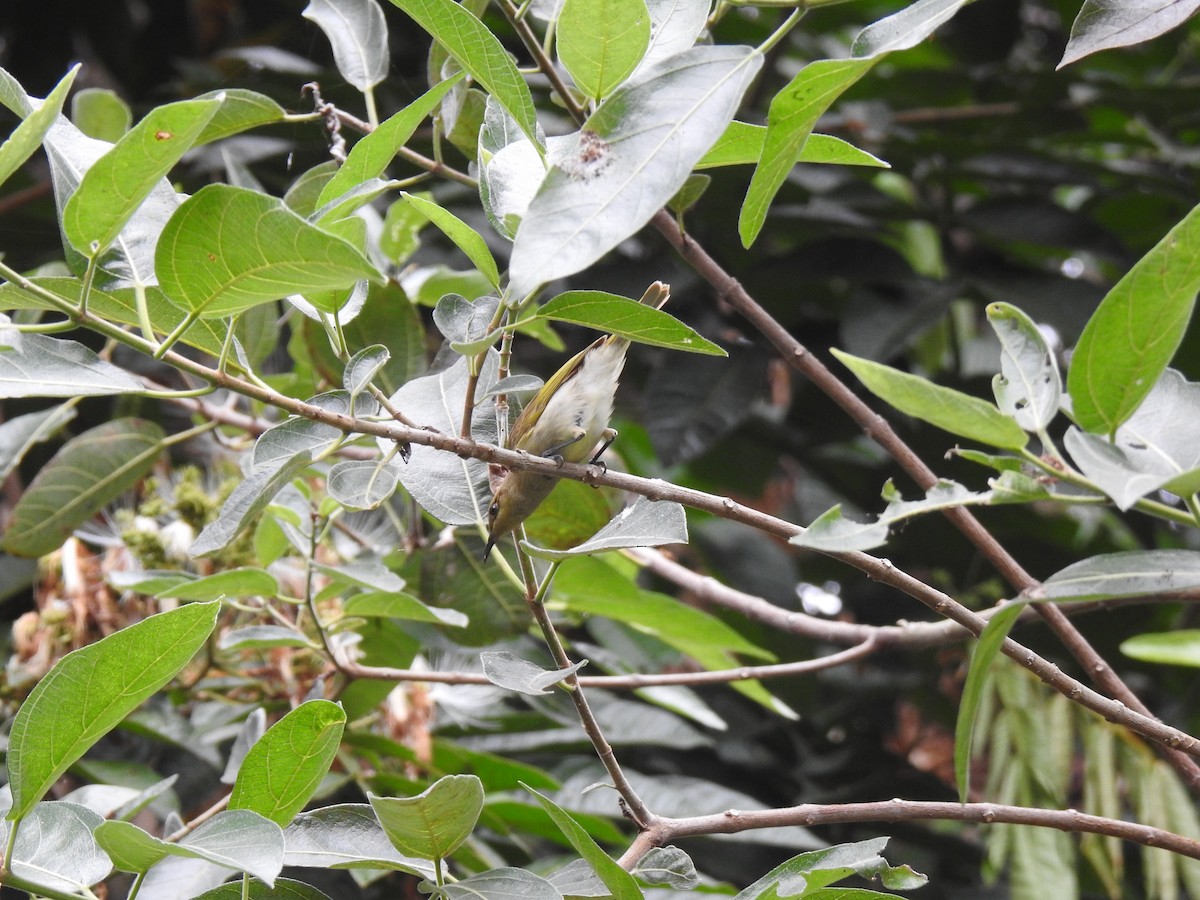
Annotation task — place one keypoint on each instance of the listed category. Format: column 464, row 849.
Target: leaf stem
column 89, row 278
column 782, row 31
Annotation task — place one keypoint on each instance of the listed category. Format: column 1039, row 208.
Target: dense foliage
column 275, row 285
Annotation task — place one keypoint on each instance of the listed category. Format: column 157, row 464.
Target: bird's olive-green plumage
column 566, row 420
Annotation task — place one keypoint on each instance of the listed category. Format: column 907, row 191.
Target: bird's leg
column 607, row 436
column 555, row 452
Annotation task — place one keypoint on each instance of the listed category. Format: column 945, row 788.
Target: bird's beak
column 487, row 550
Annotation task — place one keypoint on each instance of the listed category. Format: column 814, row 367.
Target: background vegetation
column 1015, row 180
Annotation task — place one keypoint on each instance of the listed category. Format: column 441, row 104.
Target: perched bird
column 565, row 421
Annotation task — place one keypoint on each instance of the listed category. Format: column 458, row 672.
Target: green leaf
column 433, row 824
column 512, row 673
column 284, row 889
column 628, row 161
column 504, row 881
column 89, row 691
column 257, row 637
column 346, row 836
column 986, row 649
column 248, row 499
column 1172, row 648
column 742, row 145
column 944, row 407
column 362, row 483
column 590, row 586
column 803, row 874
column 644, row 523
column 1106, row 465
column 627, row 318
column 454, row 491
column 19, row 434
column 601, row 42
column 480, row 52
column 1133, row 573
column 227, row 249
column 1028, row 387
column 240, row 110
column 88, row 472
column 790, row 119
column 1135, row 331
column 370, row 157
column 100, row 113
column 906, row 28
column 1103, row 26
column 285, row 766
column 119, row 305
column 363, row 367
column 116, row 184
column 34, row 365
column 668, row 866
column 358, row 34
column 465, row 238
column 28, row 135
column 832, row 531
column 396, row 605
column 55, row 849
column 244, row 582
column 236, row 839
column 616, row 879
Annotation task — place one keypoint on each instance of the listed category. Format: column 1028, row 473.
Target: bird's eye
column 494, row 510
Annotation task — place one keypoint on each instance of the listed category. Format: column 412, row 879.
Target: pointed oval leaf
column 396, row 605
column 988, row 647
column 27, row 136
column 1028, row 387
column 501, row 882
column 628, row 160
column 241, row 582
column 346, row 836
column 227, row 249
column 617, row 880
column 358, row 34
column 90, row 690
column 1135, row 331
column 362, row 483
column 512, row 673
column 19, row 434
column 480, row 52
column 258, row 637
column 906, row 28
column 645, row 523
column 238, row 839
column 88, row 472
column 669, row 866
column 742, row 145
column 35, row 365
column 433, row 824
column 628, row 318
column 601, row 42
column 364, row 366
column 944, row 407
column 117, row 183
column 1172, row 648
column 370, row 157
column 1133, row 573
column 248, row 499
column 1103, row 26
column 56, row 849
column 464, row 236
column 790, row 119
column 285, row 766
column 283, row 889
column 1106, row 465
column 452, row 490
column 240, row 110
